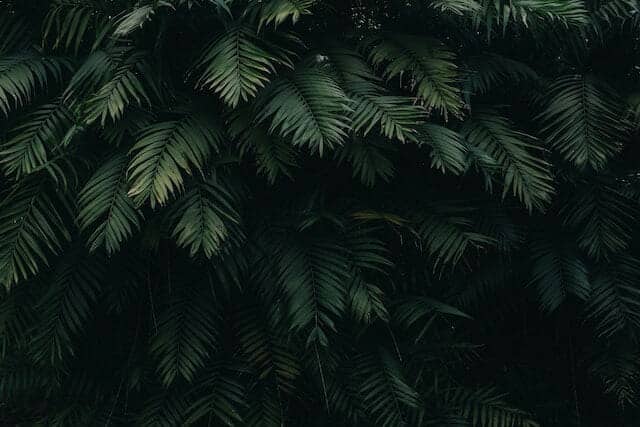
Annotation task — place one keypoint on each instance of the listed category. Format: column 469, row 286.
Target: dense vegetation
column 319, row 213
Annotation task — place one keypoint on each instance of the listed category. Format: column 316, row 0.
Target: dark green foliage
column 319, row 213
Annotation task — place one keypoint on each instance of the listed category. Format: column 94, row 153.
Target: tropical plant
column 310, row 213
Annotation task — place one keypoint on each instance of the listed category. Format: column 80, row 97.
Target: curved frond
column 105, row 209
column 278, row 11
column 313, row 275
column 308, row 107
column 526, row 175
column 583, row 121
column 238, row 64
column 34, row 139
column 164, row 152
column 448, row 148
column 602, row 215
column 434, row 74
column 31, row 230
column 368, row 160
column 206, row 218
column 556, row 273
column 63, row 312
column 385, row 391
column 23, row 75
column 186, row 334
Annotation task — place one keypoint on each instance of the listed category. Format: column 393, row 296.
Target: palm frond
column 368, row 160
column 558, row 272
column 490, row 71
column 278, row 11
column 313, row 275
column 308, row 107
column 434, row 74
column 31, row 230
column 267, row 350
column 485, row 407
column 23, row 75
column 237, row 64
column 385, row 391
column 69, row 22
column 64, row 311
column 583, row 121
column 615, row 299
column 602, row 215
column 206, row 218
column 105, row 209
column 186, row 334
column 167, row 150
column 34, row 140
column 448, row 148
column 526, row 175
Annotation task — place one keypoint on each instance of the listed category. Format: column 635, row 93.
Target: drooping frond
column 167, row 408
column 430, row 64
column 491, row 71
column 278, row 11
column 63, row 312
column 69, row 22
column 396, row 116
column 485, row 407
column 135, row 18
column 23, row 75
column 206, row 218
column 308, row 107
column 620, row 374
column 368, row 160
column 385, row 391
column 91, row 75
column 130, row 84
column 448, row 148
column 167, row 150
column 602, row 214
column 615, row 300
column 367, row 302
column 31, row 230
column 526, row 174
column 187, row 332
column 237, row 64
column 14, row 33
column 313, row 275
column 414, row 310
column 34, row 139
column 583, row 121
column 267, row 350
column 220, row 397
column 104, row 208
column 558, row 272
column 446, row 233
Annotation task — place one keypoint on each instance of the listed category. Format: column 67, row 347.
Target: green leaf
column 313, row 274
column 31, row 230
column 32, row 142
column 526, row 173
column 23, row 75
column 64, row 311
column 206, row 218
column 386, row 392
column 558, row 271
column 164, row 152
column 186, row 333
column 368, row 160
column 430, row 64
column 308, row 107
column 583, row 121
column 238, row 64
column 105, row 209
